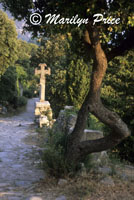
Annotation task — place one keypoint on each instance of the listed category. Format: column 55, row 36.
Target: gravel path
column 19, row 168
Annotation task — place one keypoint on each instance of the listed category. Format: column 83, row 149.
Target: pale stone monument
column 43, row 71
column 43, row 111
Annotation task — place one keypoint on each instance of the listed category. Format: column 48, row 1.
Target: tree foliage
column 8, row 86
column 118, row 94
column 8, row 42
column 78, row 77
column 15, row 65
column 102, row 43
column 69, row 80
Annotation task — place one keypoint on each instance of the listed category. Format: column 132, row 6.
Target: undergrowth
column 54, row 157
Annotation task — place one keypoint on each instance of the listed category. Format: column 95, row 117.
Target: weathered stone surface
column 71, row 121
column 43, row 114
column 61, row 198
column 41, row 107
column 43, row 111
column 65, row 122
column 68, row 107
column 43, row 120
column 100, row 158
column 92, row 134
column 18, row 170
column 44, row 104
column 125, row 173
column 83, row 171
column 105, row 170
column 60, row 124
column 3, row 109
column 62, row 182
column 22, row 183
column 43, row 71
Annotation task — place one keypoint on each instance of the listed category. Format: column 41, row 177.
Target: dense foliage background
column 62, row 48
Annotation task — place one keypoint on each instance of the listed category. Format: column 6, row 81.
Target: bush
column 28, row 93
column 54, row 160
column 21, row 101
column 54, row 157
column 94, row 124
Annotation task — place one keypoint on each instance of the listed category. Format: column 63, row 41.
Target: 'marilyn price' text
column 55, row 19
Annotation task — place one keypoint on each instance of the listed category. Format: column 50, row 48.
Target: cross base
column 43, row 114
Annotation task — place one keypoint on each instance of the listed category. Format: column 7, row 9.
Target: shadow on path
column 19, row 169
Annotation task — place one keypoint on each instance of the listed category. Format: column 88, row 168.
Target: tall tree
column 8, row 42
column 77, row 82
column 102, row 42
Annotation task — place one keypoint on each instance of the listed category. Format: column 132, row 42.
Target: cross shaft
column 43, row 71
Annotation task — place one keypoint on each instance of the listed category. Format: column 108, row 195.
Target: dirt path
column 22, row 179
column 19, row 168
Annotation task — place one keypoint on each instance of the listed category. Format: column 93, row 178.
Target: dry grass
column 90, row 188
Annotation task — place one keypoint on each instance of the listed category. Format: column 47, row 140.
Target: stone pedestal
column 43, row 114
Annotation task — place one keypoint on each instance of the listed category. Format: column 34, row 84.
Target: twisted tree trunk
column 78, row 150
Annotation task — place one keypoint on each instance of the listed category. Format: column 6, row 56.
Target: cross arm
column 37, row 71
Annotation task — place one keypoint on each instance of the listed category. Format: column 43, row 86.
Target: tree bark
column 77, row 150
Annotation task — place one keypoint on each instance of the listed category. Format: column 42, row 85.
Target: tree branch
column 94, row 105
column 126, row 45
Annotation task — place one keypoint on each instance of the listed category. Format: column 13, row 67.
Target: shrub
column 54, row 160
column 28, row 93
column 21, row 101
column 54, row 156
column 94, row 124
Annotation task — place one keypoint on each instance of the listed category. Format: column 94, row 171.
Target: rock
column 68, row 107
column 105, row 170
column 100, row 158
column 61, row 122
column 3, row 109
column 62, row 182
column 61, row 198
column 4, row 184
column 22, row 183
column 83, row 171
column 126, row 172
column 123, row 177
column 43, row 120
column 35, row 198
column 65, row 122
column 108, row 181
column 71, row 121
column 91, row 135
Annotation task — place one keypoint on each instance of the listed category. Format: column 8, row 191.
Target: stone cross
column 43, row 71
